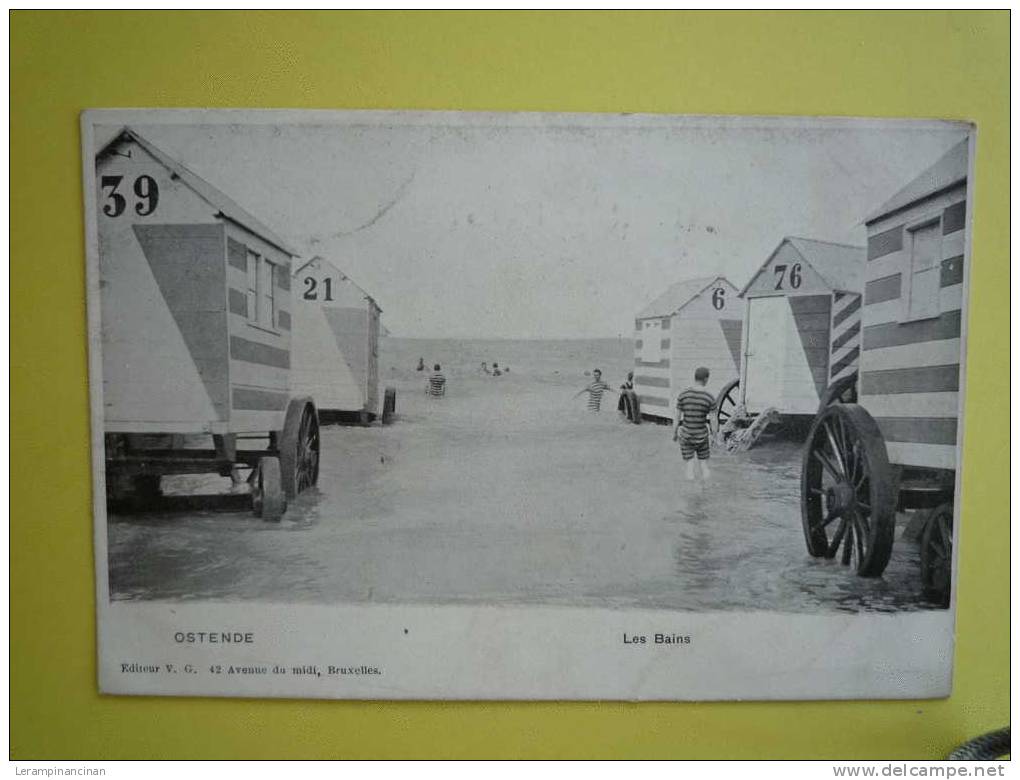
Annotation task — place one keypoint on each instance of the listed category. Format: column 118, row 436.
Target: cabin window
column 650, row 346
column 922, row 277
column 267, row 293
column 253, row 287
column 261, row 291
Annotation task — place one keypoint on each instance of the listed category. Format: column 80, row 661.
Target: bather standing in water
column 693, row 428
column 595, row 391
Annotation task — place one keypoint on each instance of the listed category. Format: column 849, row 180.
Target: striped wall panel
column 237, row 255
column 237, row 302
column 885, row 242
column 894, row 334
column 643, row 380
column 953, row 217
column 885, row 288
column 932, row 456
column 918, row 430
column 951, row 272
column 258, row 399
column 692, row 342
column 923, row 379
column 654, row 400
column 910, row 368
column 846, row 335
column 262, row 354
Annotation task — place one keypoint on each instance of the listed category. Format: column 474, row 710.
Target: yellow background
column 911, row 64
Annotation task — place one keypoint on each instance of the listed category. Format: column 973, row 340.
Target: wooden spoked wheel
column 299, row 448
column 726, row 403
column 268, row 500
column 937, row 554
column 848, row 503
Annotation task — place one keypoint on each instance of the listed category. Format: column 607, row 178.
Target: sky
column 546, row 226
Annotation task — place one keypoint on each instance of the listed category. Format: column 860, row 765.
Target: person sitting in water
column 485, row 368
column 495, row 370
column 421, row 364
column 595, row 391
column 436, row 386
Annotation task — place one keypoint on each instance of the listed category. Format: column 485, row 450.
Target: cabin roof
column 840, row 265
column 950, row 169
column 677, row 296
column 299, row 265
column 227, row 207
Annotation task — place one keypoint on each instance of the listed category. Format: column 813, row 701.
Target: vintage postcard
column 393, row 405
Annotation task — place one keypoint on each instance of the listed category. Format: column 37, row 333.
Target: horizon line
column 509, row 338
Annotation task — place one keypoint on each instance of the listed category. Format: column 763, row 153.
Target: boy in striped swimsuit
column 693, row 426
column 595, row 391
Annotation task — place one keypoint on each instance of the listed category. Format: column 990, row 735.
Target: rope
column 987, row 747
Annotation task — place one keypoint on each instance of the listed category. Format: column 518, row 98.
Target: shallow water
column 506, row 491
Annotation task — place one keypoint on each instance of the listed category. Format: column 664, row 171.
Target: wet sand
column 507, row 491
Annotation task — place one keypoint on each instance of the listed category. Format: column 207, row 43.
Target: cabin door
column 766, row 346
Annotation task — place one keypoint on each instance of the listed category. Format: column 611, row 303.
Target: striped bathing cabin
column 696, row 322
column 336, row 345
column 913, row 296
column 802, row 325
column 196, row 300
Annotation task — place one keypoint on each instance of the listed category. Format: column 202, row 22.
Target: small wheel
column 389, row 405
column 937, row 554
column 267, row 497
column 848, row 503
column 726, row 403
column 299, row 447
column 842, row 391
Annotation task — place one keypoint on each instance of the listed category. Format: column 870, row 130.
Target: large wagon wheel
column 726, row 403
column 937, row 554
column 848, row 493
column 299, row 447
column 267, row 497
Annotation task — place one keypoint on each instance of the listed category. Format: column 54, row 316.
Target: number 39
column 145, row 188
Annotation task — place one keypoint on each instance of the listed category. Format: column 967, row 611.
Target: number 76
column 781, row 277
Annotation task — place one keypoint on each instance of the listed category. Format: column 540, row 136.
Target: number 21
column 311, row 285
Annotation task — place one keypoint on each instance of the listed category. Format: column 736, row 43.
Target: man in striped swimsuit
column 595, row 391
column 693, row 427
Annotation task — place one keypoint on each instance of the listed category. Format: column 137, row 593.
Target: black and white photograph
column 444, row 405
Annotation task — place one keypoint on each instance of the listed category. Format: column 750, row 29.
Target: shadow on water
column 164, row 508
